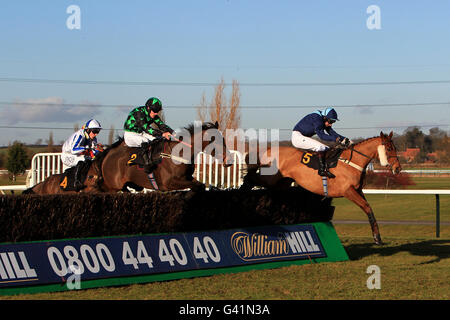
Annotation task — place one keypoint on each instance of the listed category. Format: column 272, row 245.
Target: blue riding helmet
column 92, row 124
column 331, row 114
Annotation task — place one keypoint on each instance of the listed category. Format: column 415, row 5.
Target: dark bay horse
column 110, row 171
column 177, row 165
column 52, row 184
column 349, row 172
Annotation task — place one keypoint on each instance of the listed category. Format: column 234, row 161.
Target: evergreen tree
column 17, row 161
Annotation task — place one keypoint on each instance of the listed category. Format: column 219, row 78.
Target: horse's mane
column 366, row 140
column 205, row 126
column 98, row 160
column 101, row 155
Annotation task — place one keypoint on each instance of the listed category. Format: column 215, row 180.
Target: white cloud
column 365, row 110
column 50, row 109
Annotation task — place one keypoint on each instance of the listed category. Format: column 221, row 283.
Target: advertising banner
column 71, row 263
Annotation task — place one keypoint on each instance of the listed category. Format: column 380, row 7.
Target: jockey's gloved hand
column 346, row 142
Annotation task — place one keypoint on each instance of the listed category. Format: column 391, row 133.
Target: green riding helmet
column 153, row 104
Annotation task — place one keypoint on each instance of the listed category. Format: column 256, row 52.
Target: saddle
column 68, row 176
column 311, row 159
column 147, row 155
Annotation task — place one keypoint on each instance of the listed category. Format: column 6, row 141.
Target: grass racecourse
column 413, row 263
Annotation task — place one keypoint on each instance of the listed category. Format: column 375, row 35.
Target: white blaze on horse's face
column 382, row 155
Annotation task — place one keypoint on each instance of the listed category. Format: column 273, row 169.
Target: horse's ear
column 216, row 124
column 381, row 134
column 391, row 134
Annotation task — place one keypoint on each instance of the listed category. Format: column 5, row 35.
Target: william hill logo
column 257, row 246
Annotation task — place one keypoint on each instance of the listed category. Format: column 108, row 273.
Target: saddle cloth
column 68, row 176
column 153, row 149
column 311, row 159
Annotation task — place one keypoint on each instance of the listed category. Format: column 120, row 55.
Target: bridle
column 389, row 149
column 352, row 149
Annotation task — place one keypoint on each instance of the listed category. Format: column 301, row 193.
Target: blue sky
column 253, row 42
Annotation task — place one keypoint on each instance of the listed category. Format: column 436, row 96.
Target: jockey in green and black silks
column 138, row 127
column 139, row 131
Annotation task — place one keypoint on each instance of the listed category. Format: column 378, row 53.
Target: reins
column 171, row 156
column 352, row 164
column 182, row 142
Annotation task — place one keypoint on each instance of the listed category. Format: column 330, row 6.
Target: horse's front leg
column 359, row 199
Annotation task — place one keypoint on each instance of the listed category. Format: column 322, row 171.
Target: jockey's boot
column 143, row 153
column 146, row 157
column 323, row 166
column 78, row 185
column 148, row 168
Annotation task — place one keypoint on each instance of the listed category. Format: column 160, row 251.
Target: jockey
column 318, row 122
column 82, row 145
column 138, row 129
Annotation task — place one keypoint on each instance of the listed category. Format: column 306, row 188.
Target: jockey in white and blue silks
column 80, row 146
column 318, row 123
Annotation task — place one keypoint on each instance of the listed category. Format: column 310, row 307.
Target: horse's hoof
column 378, row 241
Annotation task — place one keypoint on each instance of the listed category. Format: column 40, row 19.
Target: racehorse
column 53, row 183
column 110, row 171
column 349, row 171
column 177, row 165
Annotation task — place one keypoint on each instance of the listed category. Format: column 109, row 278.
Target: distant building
column 410, row 154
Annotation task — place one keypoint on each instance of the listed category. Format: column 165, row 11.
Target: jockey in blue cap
column 80, row 146
column 318, row 122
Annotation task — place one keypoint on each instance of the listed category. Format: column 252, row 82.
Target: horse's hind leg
column 359, row 199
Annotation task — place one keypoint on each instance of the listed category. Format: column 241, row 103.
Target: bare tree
column 111, row 135
column 227, row 115
column 234, row 114
column 202, row 109
column 51, row 144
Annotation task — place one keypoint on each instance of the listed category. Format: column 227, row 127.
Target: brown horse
column 349, row 172
column 110, row 171
column 52, row 184
column 177, row 165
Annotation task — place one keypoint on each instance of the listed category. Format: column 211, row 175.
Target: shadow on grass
column 440, row 249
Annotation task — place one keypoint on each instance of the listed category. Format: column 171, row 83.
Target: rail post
column 438, row 218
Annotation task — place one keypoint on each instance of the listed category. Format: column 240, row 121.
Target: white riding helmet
column 92, row 124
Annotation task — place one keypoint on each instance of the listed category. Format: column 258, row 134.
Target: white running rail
column 44, row 165
column 212, row 173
